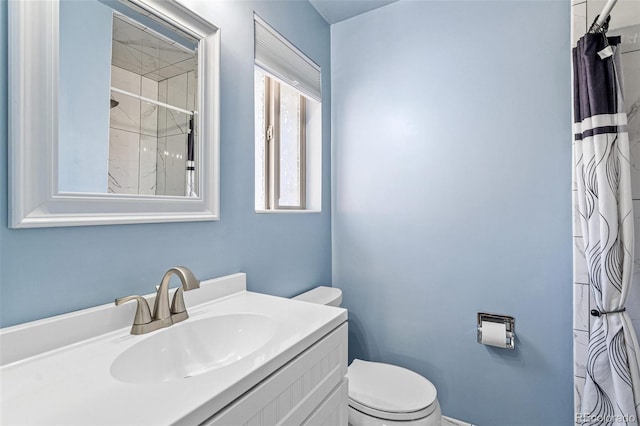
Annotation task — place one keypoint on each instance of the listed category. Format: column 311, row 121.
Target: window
column 282, row 122
column 287, row 125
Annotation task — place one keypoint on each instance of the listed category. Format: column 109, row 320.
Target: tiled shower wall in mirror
column 179, row 91
column 153, row 98
column 133, row 135
column 625, row 21
column 147, row 142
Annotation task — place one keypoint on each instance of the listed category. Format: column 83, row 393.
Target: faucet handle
column 178, row 309
column 143, row 313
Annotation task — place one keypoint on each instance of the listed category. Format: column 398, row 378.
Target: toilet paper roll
column 494, row 334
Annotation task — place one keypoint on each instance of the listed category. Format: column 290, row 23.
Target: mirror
column 144, row 142
column 108, row 101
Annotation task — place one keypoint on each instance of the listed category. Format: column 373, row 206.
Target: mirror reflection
column 128, row 93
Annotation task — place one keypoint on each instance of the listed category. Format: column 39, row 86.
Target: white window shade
column 275, row 55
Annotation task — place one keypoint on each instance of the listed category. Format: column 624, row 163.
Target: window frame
column 271, row 110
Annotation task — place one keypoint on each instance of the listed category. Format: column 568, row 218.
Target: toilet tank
column 322, row 295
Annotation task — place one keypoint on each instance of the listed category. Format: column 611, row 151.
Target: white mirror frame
column 33, row 128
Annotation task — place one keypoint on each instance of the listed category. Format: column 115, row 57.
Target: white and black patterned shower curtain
column 601, row 153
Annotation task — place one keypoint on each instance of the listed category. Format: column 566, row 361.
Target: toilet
column 383, row 394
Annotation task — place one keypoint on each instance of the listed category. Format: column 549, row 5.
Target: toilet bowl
column 383, row 394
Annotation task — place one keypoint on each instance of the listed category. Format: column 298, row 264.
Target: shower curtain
column 611, row 394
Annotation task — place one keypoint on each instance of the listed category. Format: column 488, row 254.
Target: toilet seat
column 390, row 392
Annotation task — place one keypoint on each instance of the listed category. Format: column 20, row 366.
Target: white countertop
column 72, row 385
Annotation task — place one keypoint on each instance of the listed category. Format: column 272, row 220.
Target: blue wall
column 84, row 92
column 452, row 195
column 44, row 272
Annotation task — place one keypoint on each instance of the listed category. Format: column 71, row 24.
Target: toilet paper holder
column 509, row 322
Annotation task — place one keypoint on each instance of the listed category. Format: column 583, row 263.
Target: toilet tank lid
column 322, row 295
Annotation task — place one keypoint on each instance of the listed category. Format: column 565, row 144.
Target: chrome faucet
column 163, row 314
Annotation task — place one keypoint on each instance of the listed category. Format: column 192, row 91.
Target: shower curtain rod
column 151, row 101
column 602, row 18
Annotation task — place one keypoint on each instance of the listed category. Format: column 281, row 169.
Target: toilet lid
column 388, row 388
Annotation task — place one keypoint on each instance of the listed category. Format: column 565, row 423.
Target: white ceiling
column 142, row 51
column 338, row 10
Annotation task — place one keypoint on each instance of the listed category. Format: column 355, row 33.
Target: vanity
column 241, row 358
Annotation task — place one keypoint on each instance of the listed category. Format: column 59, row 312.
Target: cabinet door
column 334, row 410
column 293, row 392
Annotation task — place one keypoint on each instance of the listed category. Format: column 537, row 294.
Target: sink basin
column 193, row 347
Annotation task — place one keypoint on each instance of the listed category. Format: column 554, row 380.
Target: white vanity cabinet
column 296, row 376
column 311, row 389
